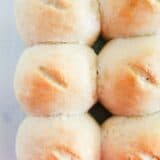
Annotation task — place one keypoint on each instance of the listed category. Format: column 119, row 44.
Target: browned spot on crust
column 38, row 95
column 51, row 157
column 125, row 94
column 145, row 143
column 53, row 76
column 41, row 90
column 126, row 90
column 147, row 67
column 128, row 12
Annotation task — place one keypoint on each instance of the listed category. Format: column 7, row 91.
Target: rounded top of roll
column 58, row 21
column 128, row 18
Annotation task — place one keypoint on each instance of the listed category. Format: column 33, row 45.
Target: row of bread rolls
column 59, row 21
column 78, row 138
column 129, row 79
column 44, row 83
column 128, row 85
column 62, row 78
column 57, row 83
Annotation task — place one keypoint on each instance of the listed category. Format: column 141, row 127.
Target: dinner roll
column 129, row 76
column 125, row 18
column 56, row 79
column 131, row 138
column 58, row 21
column 58, row 138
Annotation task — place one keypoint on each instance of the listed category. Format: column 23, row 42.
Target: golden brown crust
column 125, row 96
column 41, row 93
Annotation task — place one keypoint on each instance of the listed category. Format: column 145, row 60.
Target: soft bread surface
column 129, row 76
column 58, row 138
column 131, row 138
column 56, row 79
column 58, row 21
column 126, row 18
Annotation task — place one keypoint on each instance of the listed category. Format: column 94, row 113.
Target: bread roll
column 125, row 18
column 59, row 138
column 129, row 76
column 56, row 79
column 58, row 21
column 131, row 138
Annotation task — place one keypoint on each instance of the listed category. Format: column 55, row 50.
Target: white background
column 11, row 48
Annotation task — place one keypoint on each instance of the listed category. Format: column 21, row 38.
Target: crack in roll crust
column 53, row 76
column 144, row 72
column 62, row 152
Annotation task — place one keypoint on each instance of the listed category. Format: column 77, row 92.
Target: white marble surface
column 11, row 48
